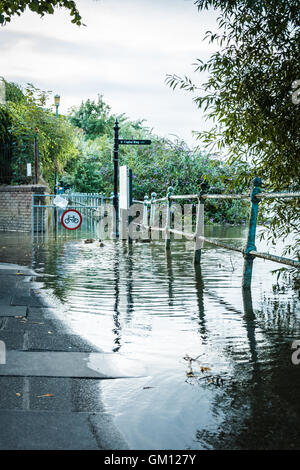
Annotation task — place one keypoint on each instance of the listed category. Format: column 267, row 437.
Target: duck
column 89, row 240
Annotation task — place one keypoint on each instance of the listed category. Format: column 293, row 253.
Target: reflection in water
column 129, row 284
column 199, row 294
column 117, row 325
column 138, row 302
column 170, row 277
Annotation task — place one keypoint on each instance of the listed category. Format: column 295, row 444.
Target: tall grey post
column 115, row 214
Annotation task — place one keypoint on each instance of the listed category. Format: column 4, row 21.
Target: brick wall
column 16, row 206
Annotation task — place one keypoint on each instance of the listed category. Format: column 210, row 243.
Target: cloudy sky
column 123, row 53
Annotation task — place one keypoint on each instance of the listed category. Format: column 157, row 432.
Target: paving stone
column 5, row 300
column 43, row 326
column 39, row 341
column 15, row 269
column 44, row 430
column 13, row 339
column 31, row 300
column 10, row 387
column 70, row 364
column 39, row 389
column 13, row 311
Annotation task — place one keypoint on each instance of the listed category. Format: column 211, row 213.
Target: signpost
column 118, row 142
column 71, row 219
column 125, row 201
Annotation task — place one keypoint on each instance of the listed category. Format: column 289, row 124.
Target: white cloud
column 124, row 53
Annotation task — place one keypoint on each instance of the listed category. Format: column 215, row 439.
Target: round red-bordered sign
column 71, row 219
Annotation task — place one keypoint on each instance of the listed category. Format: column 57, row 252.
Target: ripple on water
column 157, row 309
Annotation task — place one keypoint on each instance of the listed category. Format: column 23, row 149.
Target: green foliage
column 13, row 92
column 4, row 125
column 248, row 95
column 93, row 117
column 27, row 118
column 91, row 171
column 164, row 163
column 10, row 8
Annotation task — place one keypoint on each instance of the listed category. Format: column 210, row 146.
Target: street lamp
column 57, row 103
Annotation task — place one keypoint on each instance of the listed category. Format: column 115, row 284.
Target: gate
column 6, row 155
column 47, row 214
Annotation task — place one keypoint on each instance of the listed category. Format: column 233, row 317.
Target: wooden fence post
column 168, row 219
column 250, row 246
column 199, row 226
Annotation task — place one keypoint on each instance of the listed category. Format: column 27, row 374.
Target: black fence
column 6, row 155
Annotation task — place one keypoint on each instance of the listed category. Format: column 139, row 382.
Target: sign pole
column 116, row 170
column 130, row 218
column 117, row 142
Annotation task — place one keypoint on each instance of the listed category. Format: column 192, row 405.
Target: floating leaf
column 204, row 369
column 45, row 395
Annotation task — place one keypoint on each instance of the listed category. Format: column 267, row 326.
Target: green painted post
column 250, row 246
column 199, row 225
column 168, row 219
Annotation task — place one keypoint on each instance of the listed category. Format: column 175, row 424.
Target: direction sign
column 133, row 142
column 71, row 219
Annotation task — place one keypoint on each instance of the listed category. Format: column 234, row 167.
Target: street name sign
column 134, row 142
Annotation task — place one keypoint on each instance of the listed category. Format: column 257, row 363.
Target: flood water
column 241, row 391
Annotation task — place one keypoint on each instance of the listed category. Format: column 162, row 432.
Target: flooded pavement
column 218, row 375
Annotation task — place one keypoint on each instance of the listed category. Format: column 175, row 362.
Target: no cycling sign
column 71, row 219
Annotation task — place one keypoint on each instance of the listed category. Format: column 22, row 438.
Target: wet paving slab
column 48, row 430
column 13, row 311
column 70, row 364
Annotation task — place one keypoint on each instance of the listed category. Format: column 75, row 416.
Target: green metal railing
column 249, row 252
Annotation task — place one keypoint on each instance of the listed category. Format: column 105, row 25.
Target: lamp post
column 57, row 103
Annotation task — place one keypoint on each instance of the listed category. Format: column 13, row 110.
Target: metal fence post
column 145, row 216
column 113, row 220
column 152, row 213
column 168, row 219
column 130, row 217
column 250, row 246
column 199, row 225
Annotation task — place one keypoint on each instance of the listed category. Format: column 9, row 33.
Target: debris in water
column 45, row 395
column 211, row 379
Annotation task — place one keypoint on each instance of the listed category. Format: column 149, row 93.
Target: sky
column 124, row 53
